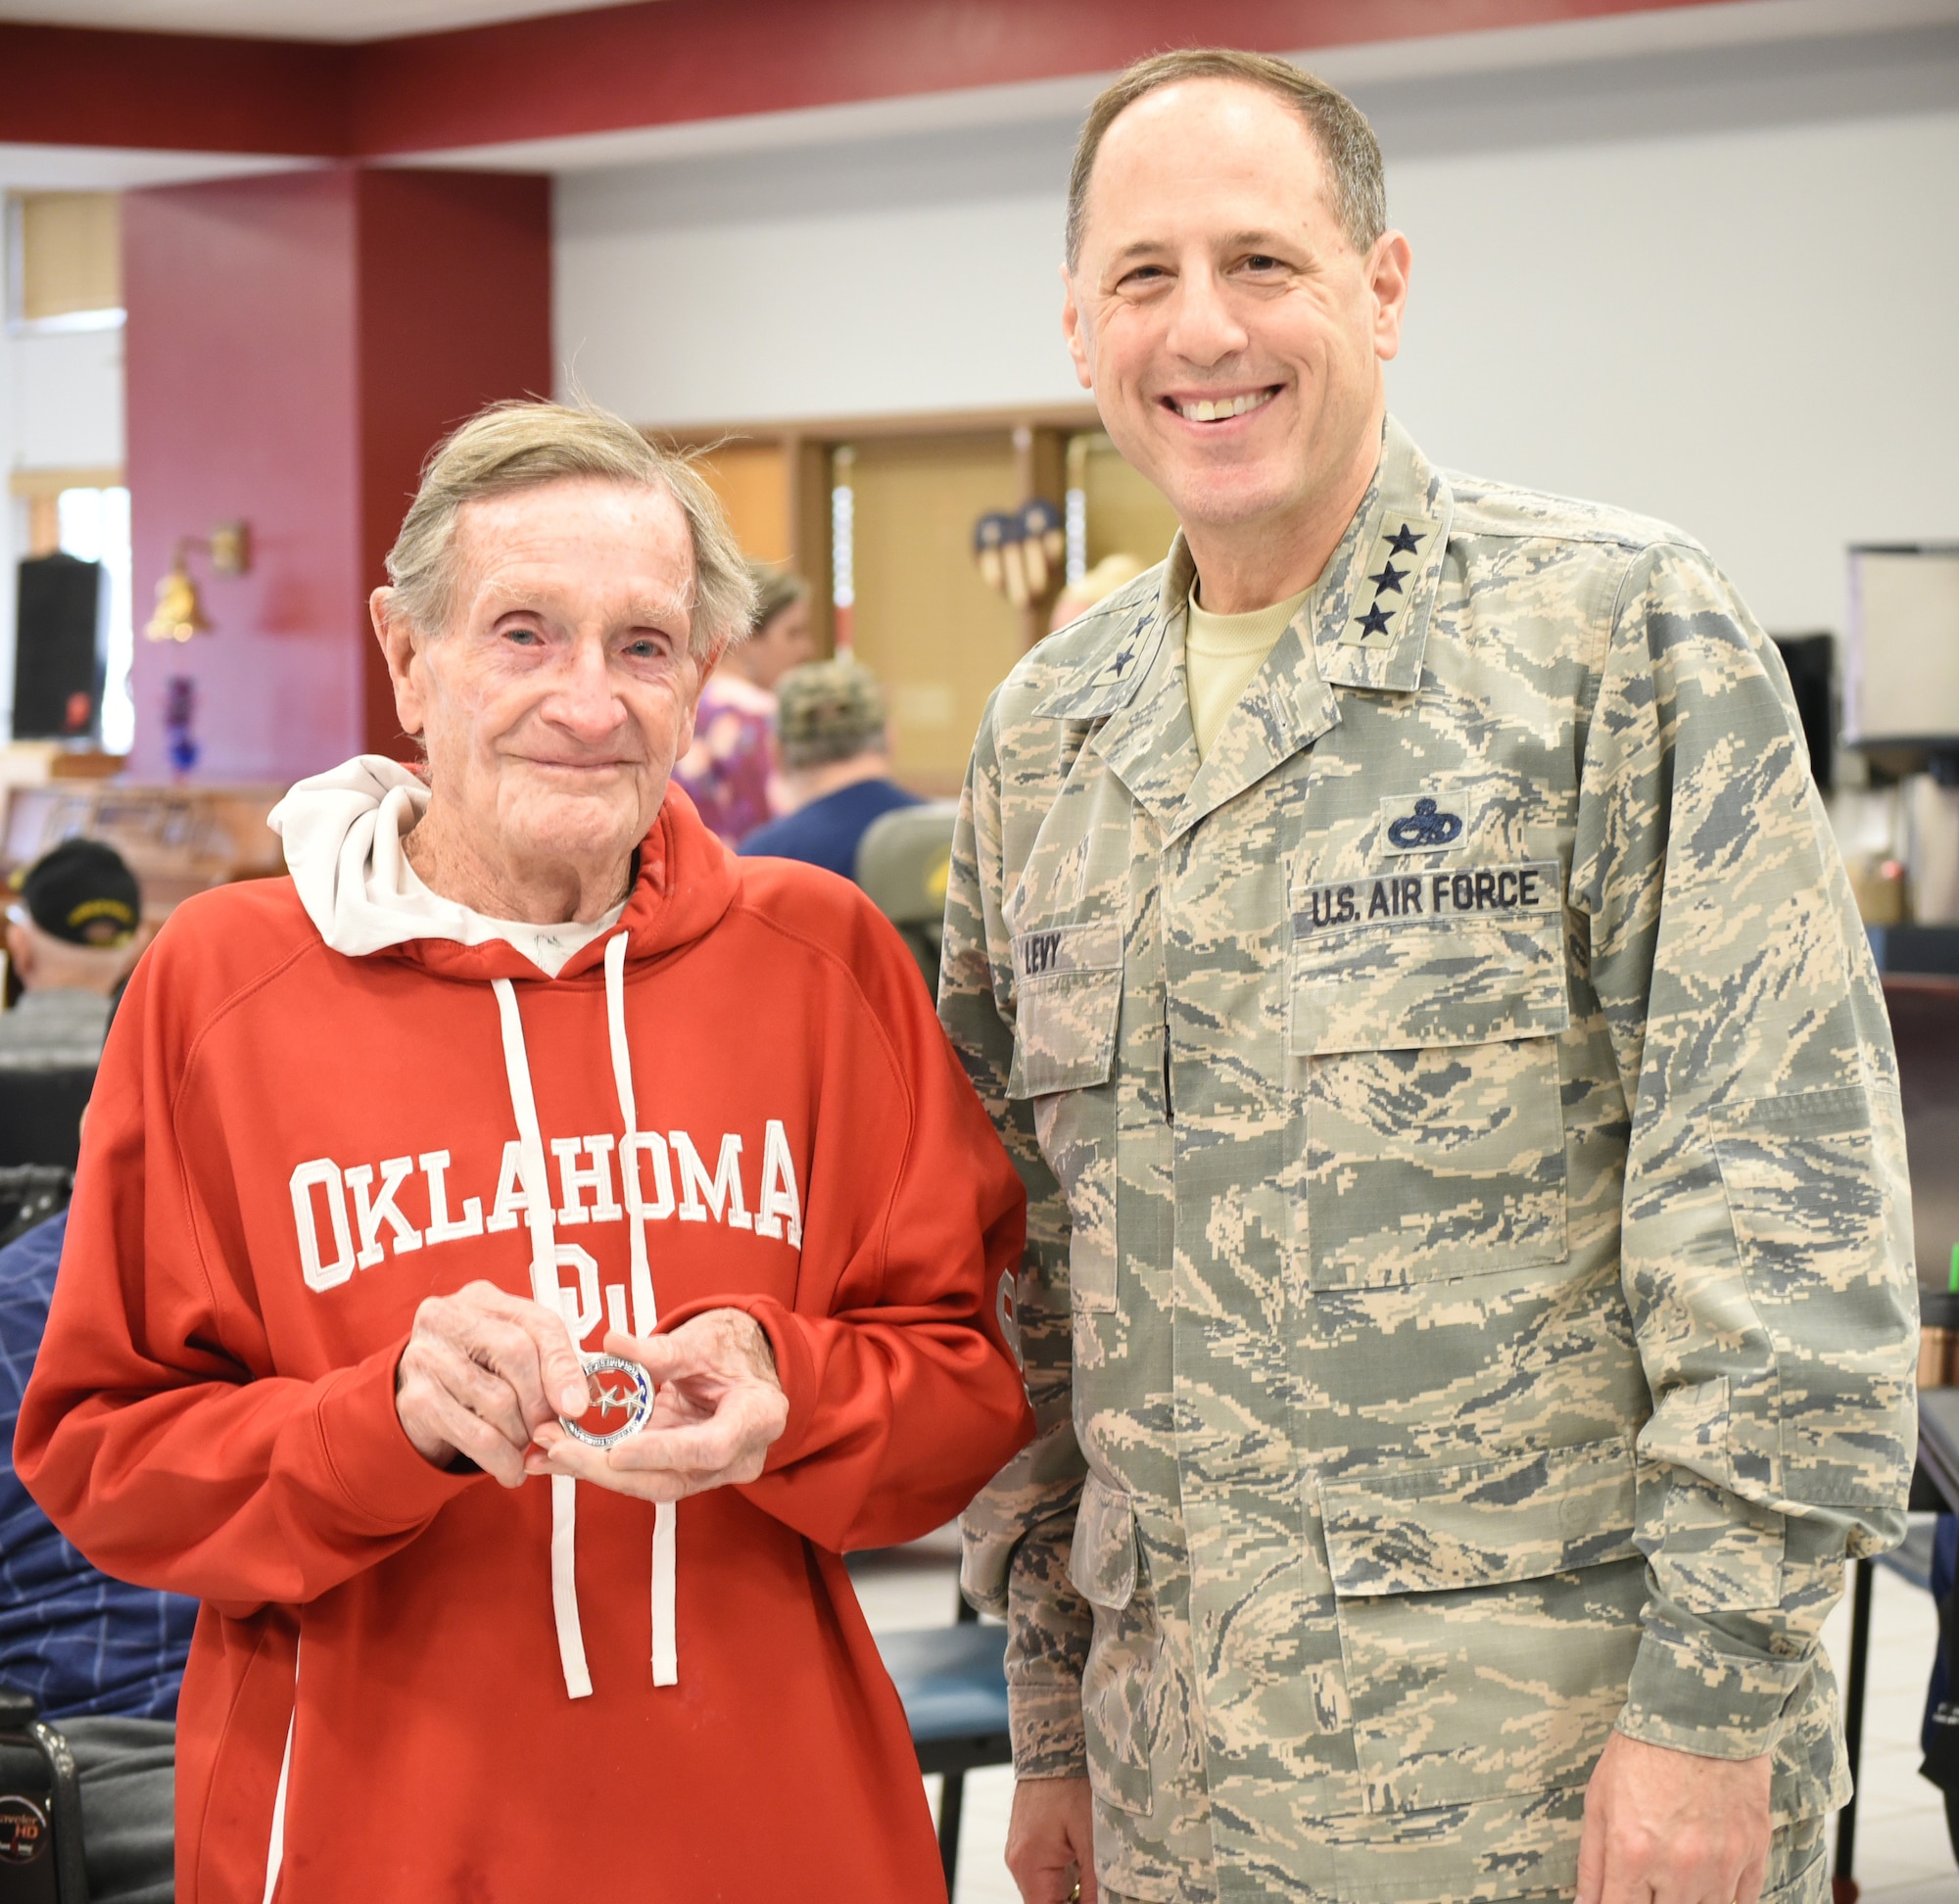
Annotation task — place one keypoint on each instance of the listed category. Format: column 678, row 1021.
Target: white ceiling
column 114, row 169
column 315, row 20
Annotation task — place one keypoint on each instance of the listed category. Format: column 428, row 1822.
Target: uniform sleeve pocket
column 1102, row 1561
column 1488, row 1613
column 1816, row 1192
column 1121, row 1689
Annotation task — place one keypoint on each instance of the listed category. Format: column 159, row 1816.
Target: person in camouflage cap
column 829, row 710
column 1469, row 1303
column 836, row 751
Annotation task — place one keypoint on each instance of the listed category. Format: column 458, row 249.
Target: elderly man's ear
column 21, row 950
column 397, row 636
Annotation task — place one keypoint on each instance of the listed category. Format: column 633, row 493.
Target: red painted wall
column 243, row 392
column 653, row 63
column 454, row 273
column 295, row 345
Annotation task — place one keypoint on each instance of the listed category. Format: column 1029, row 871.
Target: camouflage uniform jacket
column 1469, row 1298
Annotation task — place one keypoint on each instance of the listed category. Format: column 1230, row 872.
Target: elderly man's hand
column 717, row 1410
column 1673, row 1827
column 482, row 1373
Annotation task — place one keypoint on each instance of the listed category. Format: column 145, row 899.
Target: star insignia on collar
column 1390, row 577
column 1376, row 620
column 1406, row 542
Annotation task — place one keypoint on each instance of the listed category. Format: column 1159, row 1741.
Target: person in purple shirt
column 836, row 750
column 732, row 772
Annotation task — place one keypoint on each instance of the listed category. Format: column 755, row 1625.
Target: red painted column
column 296, row 343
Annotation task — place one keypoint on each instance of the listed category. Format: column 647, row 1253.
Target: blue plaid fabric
column 79, row 1642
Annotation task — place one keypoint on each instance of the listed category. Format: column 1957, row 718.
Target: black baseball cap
column 84, row 893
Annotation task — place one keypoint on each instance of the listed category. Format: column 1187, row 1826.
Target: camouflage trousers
column 1799, row 1872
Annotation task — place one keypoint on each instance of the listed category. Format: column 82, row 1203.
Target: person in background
column 836, row 749
column 731, row 772
column 1111, row 572
column 101, row 1660
column 71, row 935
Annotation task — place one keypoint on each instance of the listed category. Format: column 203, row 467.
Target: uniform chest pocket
column 1427, row 1007
column 1067, row 982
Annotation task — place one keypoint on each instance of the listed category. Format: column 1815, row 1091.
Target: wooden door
column 1126, row 514
column 925, row 622
column 752, row 481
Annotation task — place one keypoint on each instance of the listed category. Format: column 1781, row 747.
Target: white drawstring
column 645, row 1312
column 544, row 1288
column 275, row 1845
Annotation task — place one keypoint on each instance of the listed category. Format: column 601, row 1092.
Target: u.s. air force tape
column 1398, row 899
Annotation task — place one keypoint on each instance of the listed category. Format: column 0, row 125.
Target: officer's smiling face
column 1232, row 335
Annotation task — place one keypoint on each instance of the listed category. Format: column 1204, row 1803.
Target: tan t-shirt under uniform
column 1220, row 655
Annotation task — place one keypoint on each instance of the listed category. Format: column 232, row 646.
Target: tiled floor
column 1903, row 1855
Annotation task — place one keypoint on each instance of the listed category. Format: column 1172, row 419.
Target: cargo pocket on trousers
column 1489, row 1613
column 1122, row 1656
column 1069, row 997
column 1434, row 1116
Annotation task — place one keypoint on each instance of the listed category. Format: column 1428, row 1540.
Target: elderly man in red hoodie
column 521, row 1114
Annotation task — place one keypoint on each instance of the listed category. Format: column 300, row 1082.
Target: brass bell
column 178, row 614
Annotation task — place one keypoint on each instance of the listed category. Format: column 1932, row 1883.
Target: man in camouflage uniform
column 1468, row 1301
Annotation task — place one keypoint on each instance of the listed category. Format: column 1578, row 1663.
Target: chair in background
column 40, row 1114
column 953, row 1681
column 30, row 1194
column 902, row 862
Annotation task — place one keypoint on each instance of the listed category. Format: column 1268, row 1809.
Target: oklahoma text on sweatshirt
column 411, row 1684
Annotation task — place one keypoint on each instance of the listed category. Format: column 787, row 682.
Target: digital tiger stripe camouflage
column 1468, row 1297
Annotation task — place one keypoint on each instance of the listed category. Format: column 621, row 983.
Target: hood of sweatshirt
column 342, row 838
column 342, row 832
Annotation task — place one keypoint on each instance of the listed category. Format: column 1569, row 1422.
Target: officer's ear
column 1388, row 267
column 1075, row 329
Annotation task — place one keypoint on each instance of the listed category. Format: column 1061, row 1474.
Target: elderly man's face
column 1229, row 330
column 557, row 701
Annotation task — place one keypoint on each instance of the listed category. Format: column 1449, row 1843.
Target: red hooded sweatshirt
column 409, row 1684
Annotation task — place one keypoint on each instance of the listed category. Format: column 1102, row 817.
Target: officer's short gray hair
column 1346, row 140
column 520, row 446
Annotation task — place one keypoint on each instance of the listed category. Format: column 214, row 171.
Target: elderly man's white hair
column 519, row 446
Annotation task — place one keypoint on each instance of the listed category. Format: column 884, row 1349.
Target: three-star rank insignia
column 1381, row 596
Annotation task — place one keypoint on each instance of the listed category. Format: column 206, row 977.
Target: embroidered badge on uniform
column 1425, row 827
